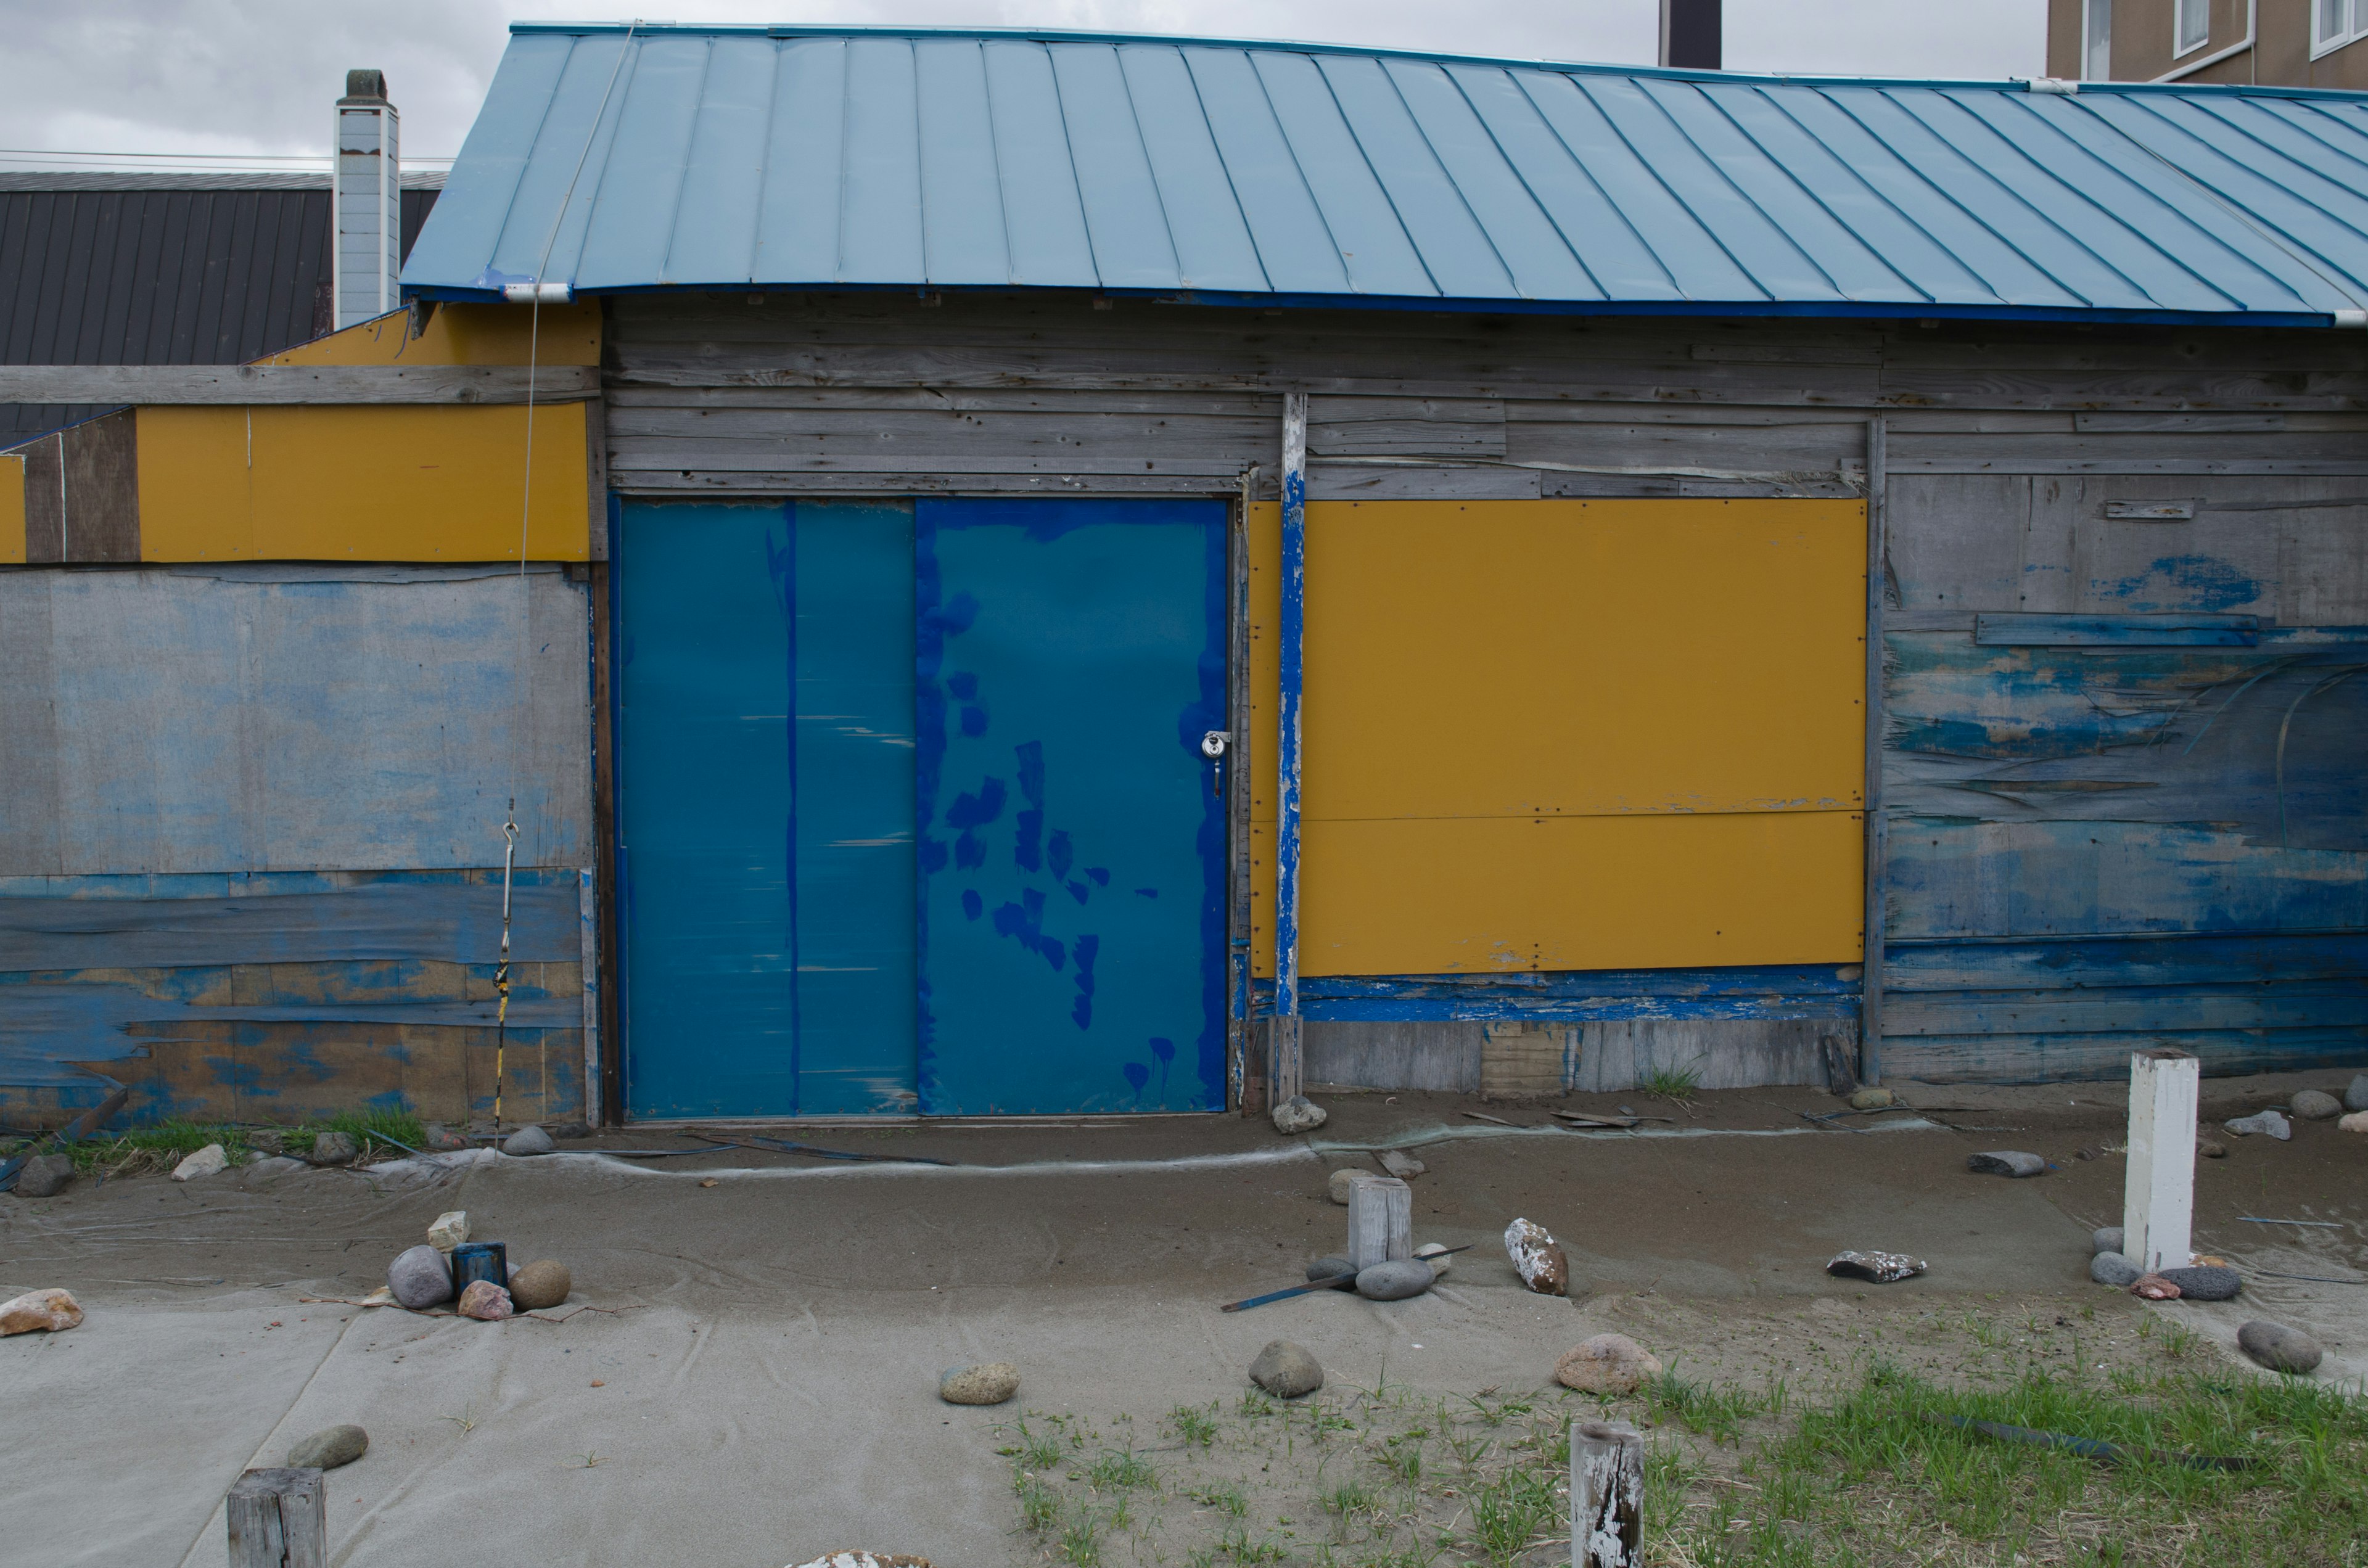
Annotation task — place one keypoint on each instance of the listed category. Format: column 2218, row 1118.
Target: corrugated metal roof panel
column 617, row 158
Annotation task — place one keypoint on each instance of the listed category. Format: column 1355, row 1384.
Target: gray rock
column 1299, row 1114
column 572, row 1129
column 540, row 1284
column 1873, row 1100
column 420, row 1276
column 328, row 1448
column 442, row 1140
column 333, row 1149
column 2267, row 1122
column 2356, row 1097
column 2316, row 1104
column 1286, row 1370
column 1875, row 1267
column 527, row 1141
column 1607, row 1364
column 2278, row 1347
column 1434, row 1255
column 1337, row 1186
column 1332, row 1267
column 268, row 1139
column 990, row 1384
column 2112, row 1268
column 2106, row 1240
column 1394, row 1281
column 45, row 1175
column 211, row 1160
column 2006, row 1163
column 2204, row 1283
column 276, row 1165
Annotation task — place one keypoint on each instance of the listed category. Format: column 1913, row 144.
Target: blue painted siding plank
column 962, row 188
column 1213, row 248
column 880, row 213
column 1522, row 238
column 383, row 920
column 2167, row 630
column 1125, row 218
column 798, row 220
column 2052, row 1059
column 2109, row 964
column 1456, row 251
column 1295, row 246
column 1044, row 219
column 2156, row 1009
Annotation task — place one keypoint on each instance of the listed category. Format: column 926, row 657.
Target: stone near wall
column 2316, row 1104
column 45, row 1175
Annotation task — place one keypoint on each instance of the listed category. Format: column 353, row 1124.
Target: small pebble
column 2280, row 1348
column 1607, row 1364
column 1286, row 1370
column 442, row 1140
column 2211, row 1149
column 2107, row 1239
column 2316, row 1104
column 2154, row 1287
column 451, row 1229
column 485, row 1301
column 328, row 1448
column 2112, row 1268
column 989, row 1384
column 1873, row 1100
column 1394, row 1281
column 2006, row 1163
column 333, row 1148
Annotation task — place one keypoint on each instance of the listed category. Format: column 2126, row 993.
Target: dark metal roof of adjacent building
column 106, row 268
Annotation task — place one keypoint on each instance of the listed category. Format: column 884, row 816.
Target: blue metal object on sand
column 472, row 1261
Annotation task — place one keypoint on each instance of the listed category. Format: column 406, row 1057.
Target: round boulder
column 2109, row 1239
column 2112, row 1268
column 1435, row 1255
column 1286, row 1370
column 2356, row 1123
column 1394, row 1281
column 2355, row 1097
column 1332, row 1268
column 2278, row 1347
column 527, row 1141
column 1873, row 1100
column 1338, row 1185
column 541, row 1284
column 2316, row 1104
column 989, row 1384
column 1299, row 1114
column 328, row 1448
column 2205, row 1284
column 1607, row 1364
column 420, row 1278
column 485, row 1301
column 333, row 1148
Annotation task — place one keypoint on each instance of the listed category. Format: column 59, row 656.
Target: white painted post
column 1606, row 1495
column 2158, row 1194
column 1381, row 1220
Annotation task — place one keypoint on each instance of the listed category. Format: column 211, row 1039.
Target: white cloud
column 227, row 77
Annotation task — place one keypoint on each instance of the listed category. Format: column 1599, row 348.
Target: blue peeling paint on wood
column 1071, row 856
column 1785, row 991
column 766, row 752
column 2117, row 630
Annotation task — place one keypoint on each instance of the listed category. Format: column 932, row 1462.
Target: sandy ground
column 760, row 1386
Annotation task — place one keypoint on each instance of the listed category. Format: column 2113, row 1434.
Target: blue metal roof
column 616, row 158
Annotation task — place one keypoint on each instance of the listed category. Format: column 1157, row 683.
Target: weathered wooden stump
column 1381, row 1220
column 1606, row 1495
column 279, row 1518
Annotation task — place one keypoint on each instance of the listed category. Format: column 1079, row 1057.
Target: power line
column 46, row 152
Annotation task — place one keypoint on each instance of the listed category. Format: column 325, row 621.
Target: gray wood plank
column 294, row 383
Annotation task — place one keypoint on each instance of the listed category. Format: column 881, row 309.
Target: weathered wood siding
column 2099, row 838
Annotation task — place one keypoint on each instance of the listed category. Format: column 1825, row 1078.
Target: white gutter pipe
column 2252, row 19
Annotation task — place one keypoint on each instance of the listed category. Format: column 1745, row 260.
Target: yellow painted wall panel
column 12, row 510
column 196, row 499
column 1508, row 658
column 389, row 482
column 1481, row 894
column 461, row 335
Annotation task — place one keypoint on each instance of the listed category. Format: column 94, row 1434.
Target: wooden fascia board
column 115, row 384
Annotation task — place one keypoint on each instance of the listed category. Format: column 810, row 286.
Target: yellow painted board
column 461, row 334
column 389, row 482
column 1482, row 894
column 1508, row 658
column 12, row 508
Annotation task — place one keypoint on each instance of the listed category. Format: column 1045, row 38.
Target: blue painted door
column 765, row 808
column 1072, row 848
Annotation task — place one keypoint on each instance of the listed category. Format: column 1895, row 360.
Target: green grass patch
column 159, row 1146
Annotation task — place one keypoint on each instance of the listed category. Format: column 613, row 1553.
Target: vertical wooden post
column 2159, row 1189
column 279, row 1518
column 1870, row 1014
column 1283, row 1073
column 1606, row 1495
column 1381, row 1220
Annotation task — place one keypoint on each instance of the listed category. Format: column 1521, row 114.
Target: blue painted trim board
column 1291, row 680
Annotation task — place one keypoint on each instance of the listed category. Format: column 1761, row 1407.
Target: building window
column 2097, row 39
column 2193, row 26
column 2334, row 23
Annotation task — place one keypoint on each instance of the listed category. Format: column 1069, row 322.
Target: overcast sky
column 256, row 77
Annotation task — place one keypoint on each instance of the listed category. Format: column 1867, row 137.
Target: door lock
column 1213, row 745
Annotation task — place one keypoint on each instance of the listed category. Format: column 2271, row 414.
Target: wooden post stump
column 2159, row 1185
column 279, row 1518
column 1381, row 1220
column 1606, row 1495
